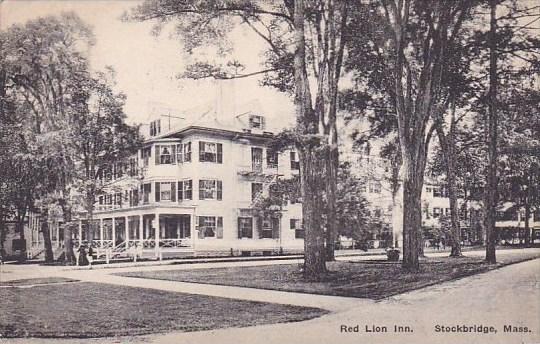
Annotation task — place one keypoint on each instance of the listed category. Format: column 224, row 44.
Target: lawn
column 368, row 279
column 99, row 310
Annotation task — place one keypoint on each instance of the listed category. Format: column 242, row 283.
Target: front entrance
column 174, row 226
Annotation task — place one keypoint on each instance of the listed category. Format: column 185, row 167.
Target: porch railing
column 175, row 243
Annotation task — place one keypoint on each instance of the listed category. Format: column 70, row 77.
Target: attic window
column 257, row 122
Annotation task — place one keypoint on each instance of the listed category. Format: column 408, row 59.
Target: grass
column 86, row 310
column 368, row 279
column 36, row 281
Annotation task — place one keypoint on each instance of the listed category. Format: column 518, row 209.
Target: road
column 509, row 296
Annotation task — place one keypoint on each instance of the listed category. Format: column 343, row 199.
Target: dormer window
column 257, row 122
column 155, row 127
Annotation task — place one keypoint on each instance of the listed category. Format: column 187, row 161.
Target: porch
column 137, row 235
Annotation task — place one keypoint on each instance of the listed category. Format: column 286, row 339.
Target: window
column 296, row 225
column 146, row 154
column 108, row 199
column 256, row 159
column 375, row 187
column 257, row 122
column 245, row 227
column 165, row 191
column 271, row 158
column 210, row 227
column 185, row 190
column 100, row 200
column 428, row 189
column 436, row 212
column 210, row 152
column 118, row 198
column 295, row 164
column 363, row 185
column 165, row 154
column 267, row 230
column 118, row 169
column 210, row 189
column 256, row 190
column 133, row 197
column 133, row 166
column 146, row 189
column 155, row 127
column 440, row 192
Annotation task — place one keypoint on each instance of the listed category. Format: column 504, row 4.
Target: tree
column 519, row 165
column 44, row 63
column 400, row 61
column 99, row 139
column 306, row 42
column 352, row 207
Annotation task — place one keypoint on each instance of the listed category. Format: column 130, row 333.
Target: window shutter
column 201, row 151
column 157, row 154
column 219, row 190
column 173, row 192
column 200, row 227
column 180, row 191
column 201, row 189
column 292, row 223
column 219, row 233
column 275, row 227
column 189, row 188
column 239, row 228
column 187, row 152
column 258, row 227
column 179, row 153
column 219, row 153
column 158, row 195
column 173, row 154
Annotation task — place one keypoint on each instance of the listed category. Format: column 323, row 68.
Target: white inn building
column 193, row 191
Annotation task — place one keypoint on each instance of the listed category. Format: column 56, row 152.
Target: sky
column 147, row 66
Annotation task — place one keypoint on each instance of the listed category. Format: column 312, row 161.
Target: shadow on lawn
column 360, row 279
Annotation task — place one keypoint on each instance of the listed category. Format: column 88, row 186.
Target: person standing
column 90, row 256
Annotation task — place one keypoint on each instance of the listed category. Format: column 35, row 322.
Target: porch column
column 141, row 229
column 101, row 232
column 126, row 228
column 80, row 232
column 113, row 232
column 193, row 232
column 158, row 229
column 58, row 242
column 126, row 222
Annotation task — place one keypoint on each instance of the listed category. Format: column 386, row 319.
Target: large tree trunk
column 527, row 224
column 332, row 165
column 491, row 183
column 413, row 180
column 311, row 164
column 447, row 143
column 412, row 222
column 20, row 229
column 49, row 255
column 69, row 255
column 3, row 232
column 312, row 174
